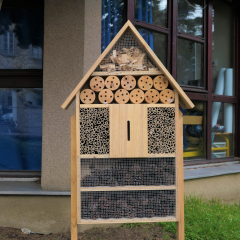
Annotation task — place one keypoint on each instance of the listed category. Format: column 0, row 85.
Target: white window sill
column 32, row 186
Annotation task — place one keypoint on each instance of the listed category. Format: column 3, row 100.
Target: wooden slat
column 162, row 155
column 193, row 120
column 123, row 73
column 78, row 150
column 73, row 179
column 95, row 156
column 120, row 146
column 127, row 188
column 179, row 164
column 127, row 220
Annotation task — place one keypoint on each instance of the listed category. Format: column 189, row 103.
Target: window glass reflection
column 21, row 38
column 194, row 131
column 20, row 129
column 190, row 17
column 190, row 63
column 153, row 11
column 158, row 43
column 223, row 129
column 223, row 48
column 113, row 18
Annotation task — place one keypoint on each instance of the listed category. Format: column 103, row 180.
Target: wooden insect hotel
column 127, row 140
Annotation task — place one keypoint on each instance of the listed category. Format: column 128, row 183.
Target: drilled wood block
column 167, row 96
column 160, row 82
column 151, row 96
column 105, row 96
column 97, row 84
column 128, row 82
column 112, row 82
column 87, row 96
column 145, row 83
column 122, row 96
column 136, row 96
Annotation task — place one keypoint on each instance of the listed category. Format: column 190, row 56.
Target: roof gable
column 138, row 57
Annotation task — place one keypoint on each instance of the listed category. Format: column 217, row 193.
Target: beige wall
column 67, row 25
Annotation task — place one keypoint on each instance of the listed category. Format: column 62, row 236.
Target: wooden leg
column 180, row 223
column 73, row 179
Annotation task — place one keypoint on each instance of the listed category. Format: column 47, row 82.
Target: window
column 21, row 44
column 197, row 41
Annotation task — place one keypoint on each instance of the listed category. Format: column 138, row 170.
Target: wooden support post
column 73, row 179
column 179, row 161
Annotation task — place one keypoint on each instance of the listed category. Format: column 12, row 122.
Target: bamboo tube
column 87, row 96
column 167, row 96
column 105, row 96
column 122, row 96
column 136, row 96
column 145, row 83
column 97, row 84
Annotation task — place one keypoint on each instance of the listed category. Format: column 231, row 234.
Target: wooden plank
column 94, row 105
column 193, row 120
column 78, row 152
column 162, row 155
column 185, row 99
column 180, row 173
column 120, row 146
column 73, row 179
column 123, row 73
column 127, row 220
column 127, row 188
column 94, row 156
column 70, row 98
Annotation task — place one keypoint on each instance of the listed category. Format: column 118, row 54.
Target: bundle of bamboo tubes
column 148, row 89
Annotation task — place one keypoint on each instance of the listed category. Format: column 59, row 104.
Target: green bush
column 209, row 220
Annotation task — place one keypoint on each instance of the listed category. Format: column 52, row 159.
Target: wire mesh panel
column 127, row 55
column 161, row 130
column 94, row 131
column 126, row 172
column 128, row 204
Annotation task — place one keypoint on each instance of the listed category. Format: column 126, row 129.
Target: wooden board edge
column 73, row 179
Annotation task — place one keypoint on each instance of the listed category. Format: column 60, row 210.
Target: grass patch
column 209, row 220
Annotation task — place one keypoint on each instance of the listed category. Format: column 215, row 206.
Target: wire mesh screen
column 161, row 130
column 127, row 171
column 94, row 130
column 127, row 55
column 128, row 204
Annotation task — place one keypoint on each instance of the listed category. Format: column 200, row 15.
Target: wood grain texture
column 151, row 96
column 167, row 96
column 127, row 188
column 145, row 83
column 137, row 96
column 112, row 82
column 160, row 82
column 73, row 179
column 128, row 82
column 120, row 147
column 180, row 173
column 127, row 220
column 122, row 96
column 123, row 73
column 106, row 96
column 87, row 96
column 97, row 84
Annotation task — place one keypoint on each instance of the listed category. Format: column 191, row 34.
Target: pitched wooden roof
column 185, row 102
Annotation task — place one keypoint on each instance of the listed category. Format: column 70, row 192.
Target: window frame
column 199, row 93
column 21, row 78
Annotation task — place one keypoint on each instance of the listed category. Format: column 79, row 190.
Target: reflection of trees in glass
column 152, row 11
column 113, row 18
column 27, row 25
column 190, row 19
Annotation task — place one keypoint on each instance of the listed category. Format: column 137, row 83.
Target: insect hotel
column 126, row 138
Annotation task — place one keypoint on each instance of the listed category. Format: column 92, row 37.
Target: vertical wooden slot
column 128, row 130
